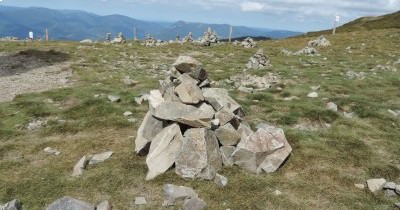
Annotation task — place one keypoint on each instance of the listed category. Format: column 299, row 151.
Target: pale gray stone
column 149, row 128
column 128, row 113
column 220, row 98
column 205, row 83
column 266, row 150
column 68, row 203
column 360, row 186
column 227, row 135
column 170, row 95
column 220, row 180
column 185, row 64
column 398, row 189
column 215, row 124
column 332, row 106
column 163, row 151
column 244, row 129
column 80, row 166
column 140, row 201
column 189, row 93
column 375, row 185
column 390, row 193
column 172, row 193
column 313, row 95
column 99, row 158
column 51, row 151
column 224, row 115
column 194, row 203
column 155, row 98
column 199, row 155
column 186, row 114
column 12, row 205
column 104, row 205
column 226, row 154
column 389, row 185
column 114, row 98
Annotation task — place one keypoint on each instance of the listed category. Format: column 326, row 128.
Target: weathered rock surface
column 140, row 201
column 149, row 128
column 375, row 185
column 104, row 205
column 224, row 116
column 68, row 203
column 227, row 135
column 332, row 106
column 194, row 203
column 80, row 166
column 114, row 98
column 163, row 151
column 51, row 151
column 226, row 155
column 264, row 150
column 220, row 180
column 12, row 205
column 186, row 64
column 199, row 156
column 189, row 93
column 220, row 98
column 321, row 41
column 155, row 98
column 172, row 193
column 99, row 158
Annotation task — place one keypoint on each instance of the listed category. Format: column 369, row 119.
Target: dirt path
column 35, row 80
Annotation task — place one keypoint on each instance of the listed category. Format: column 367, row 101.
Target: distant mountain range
column 78, row 25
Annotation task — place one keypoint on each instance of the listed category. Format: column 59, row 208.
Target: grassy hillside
column 320, row 173
column 367, row 23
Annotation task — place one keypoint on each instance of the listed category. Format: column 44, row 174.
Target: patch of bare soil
column 33, row 71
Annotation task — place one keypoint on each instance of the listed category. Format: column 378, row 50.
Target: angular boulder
column 227, row 135
column 163, row 151
column 155, row 98
column 194, row 204
column 226, row 155
column 376, row 185
column 185, row 64
column 99, row 158
column 199, row 156
column 172, row 193
column 264, row 150
column 189, row 93
column 68, row 203
column 80, row 166
column 149, row 128
column 220, row 98
column 224, row 115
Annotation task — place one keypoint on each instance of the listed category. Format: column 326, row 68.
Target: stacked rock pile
column 321, row 41
column 199, row 129
column 209, row 38
column 246, row 43
column 188, row 38
column 120, row 39
column 259, row 61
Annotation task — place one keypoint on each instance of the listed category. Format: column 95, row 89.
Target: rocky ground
column 339, row 110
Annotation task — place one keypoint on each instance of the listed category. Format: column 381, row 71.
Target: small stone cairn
column 120, row 39
column 259, row 61
column 321, row 41
column 246, row 43
column 188, row 38
column 199, row 129
column 151, row 42
column 209, row 38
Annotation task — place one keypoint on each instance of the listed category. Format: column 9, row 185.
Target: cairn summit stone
column 186, row 64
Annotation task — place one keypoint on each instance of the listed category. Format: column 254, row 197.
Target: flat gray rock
column 140, row 201
column 172, row 193
column 80, row 166
column 375, row 185
column 68, row 203
column 220, row 98
column 389, row 185
column 149, row 128
column 99, row 158
column 227, row 135
column 220, row 180
column 224, row 115
column 163, row 151
column 155, row 99
column 194, row 204
column 51, row 151
column 114, row 98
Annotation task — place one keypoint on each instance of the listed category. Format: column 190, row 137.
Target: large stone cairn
column 120, row 39
column 246, row 43
column 199, row 129
column 188, row 38
column 259, row 61
column 321, row 41
column 209, row 38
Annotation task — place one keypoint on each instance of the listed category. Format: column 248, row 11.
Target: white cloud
column 250, row 6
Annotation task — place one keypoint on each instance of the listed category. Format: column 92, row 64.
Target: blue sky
column 299, row 15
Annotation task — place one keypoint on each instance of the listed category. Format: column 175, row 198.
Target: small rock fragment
column 140, row 201
column 104, row 205
column 220, row 180
column 194, row 203
column 375, row 185
column 360, row 186
column 99, row 158
column 128, row 113
column 114, row 98
column 80, row 166
column 313, row 95
column 68, row 203
column 51, row 151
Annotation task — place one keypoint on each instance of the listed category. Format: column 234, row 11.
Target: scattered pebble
column 51, row 151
